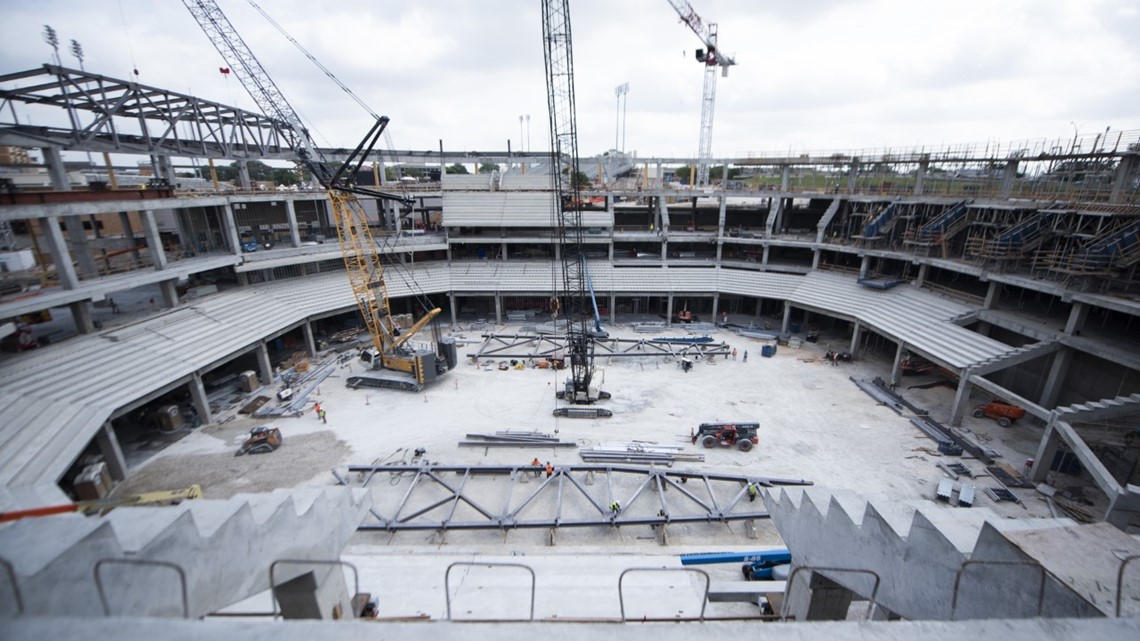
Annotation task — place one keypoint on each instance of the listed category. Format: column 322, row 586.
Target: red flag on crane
column 224, row 70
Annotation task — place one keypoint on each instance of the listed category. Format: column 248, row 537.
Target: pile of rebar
column 515, row 439
column 639, row 453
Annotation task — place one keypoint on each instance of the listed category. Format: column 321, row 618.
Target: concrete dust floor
column 815, row 424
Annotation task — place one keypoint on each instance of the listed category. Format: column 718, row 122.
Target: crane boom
column 361, row 258
column 559, row 62
column 712, row 58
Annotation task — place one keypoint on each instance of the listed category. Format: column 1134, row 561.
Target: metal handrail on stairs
column 11, row 574
column 966, row 564
column 447, row 580
column 1120, row 579
column 872, row 600
column 101, row 563
column 621, row 579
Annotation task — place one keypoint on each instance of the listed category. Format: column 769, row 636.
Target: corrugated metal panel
column 466, row 182
column 498, row 209
column 541, row 182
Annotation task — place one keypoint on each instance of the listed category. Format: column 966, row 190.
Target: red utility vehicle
column 1004, row 413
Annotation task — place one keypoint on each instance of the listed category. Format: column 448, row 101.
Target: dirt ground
column 816, row 424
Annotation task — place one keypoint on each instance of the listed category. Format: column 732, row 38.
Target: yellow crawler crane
column 408, row 367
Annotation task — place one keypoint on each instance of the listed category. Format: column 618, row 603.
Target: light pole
column 52, row 39
column 619, row 91
column 1076, row 132
column 522, row 141
column 528, row 132
column 77, row 51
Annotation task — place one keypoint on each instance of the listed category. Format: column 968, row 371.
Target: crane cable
column 389, row 144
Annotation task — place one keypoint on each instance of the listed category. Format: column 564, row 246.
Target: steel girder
column 113, row 115
column 421, row 497
column 554, row 346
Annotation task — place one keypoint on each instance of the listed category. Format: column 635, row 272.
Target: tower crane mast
column 712, row 58
column 361, row 257
column 575, row 303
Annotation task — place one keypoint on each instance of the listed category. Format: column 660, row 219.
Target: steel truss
column 496, row 497
column 113, row 115
column 554, row 346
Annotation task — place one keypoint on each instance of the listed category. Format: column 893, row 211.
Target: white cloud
column 811, row 75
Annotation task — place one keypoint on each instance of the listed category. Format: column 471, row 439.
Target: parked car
column 1004, row 413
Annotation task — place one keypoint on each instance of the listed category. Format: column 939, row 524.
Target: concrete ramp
column 220, row 550
column 940, row 562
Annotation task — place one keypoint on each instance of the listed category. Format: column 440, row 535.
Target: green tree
column 457, row 169
column 488, row 167
column 681, row 174
column 581, row 180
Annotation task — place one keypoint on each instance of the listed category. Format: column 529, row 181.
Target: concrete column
column 787, row 316
column 169, row 291
column 244, row 183
column 451, row 304
column 716, row 305
column 864, row 266
column 853, row 178
column 153, row 240
column 816, row 256
column 319, row 594
column 961, row 398
column 1008, row 176
column 1123, row 506
column 81, row 314
column 856, row 334
column 660, row 179
column 264, row 365
column 669, row 312
column 112, row 453
column 991, row 295
column 1046, row 450
column 1058, row 372
column 291, row 214
column 56, row 170
column 1124, row 173
column 920, row 175
column 721, row 217
column 230, row 223
column 310, row 340
column 613, row 309
column 764, row 257
column 813, row 597
column 503, row 251
column 896, row 365
column 129, row 232
column 498, row 309
column 243, row 279
column 200, row 400
column 165, row 170
column 79, row 246
column 57, row 247
column 922, row 269
column 784, row 177
column 1077, row 317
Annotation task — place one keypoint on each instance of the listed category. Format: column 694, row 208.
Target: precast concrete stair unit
column 940, row 562
column 224, row 548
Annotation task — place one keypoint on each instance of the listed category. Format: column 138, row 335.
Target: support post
column 129, row 233
column 291, row 214
column 991, row 295
column 1124, row 173
column 864, row 266
column 784, row 177
column 244, row 183
column 199, row 398
column 81, row 314
column 1077, row 317
column 920, row 174
column 310, row 340
column 922, row 269
column 169, row 291
column 230, row 224
column 1008, row 176
column 153, row 240
column 1046, row 450
column 962, row 398
column 852, row 179
column 60, row 257
column 787, row 316
column 264, row 364
column 454, row 312
column 669, row 311
column 896, row 365
column 814, row 597
column 1058, row 372
column 498, row 308
column 112, row 453
column 856, row 334
column 319, row 594
column 80, row 249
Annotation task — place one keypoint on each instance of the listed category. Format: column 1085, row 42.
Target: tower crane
column 712, row 58
column 575, row 303
column 411, row 367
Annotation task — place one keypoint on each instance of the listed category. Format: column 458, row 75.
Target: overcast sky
column 811, row 75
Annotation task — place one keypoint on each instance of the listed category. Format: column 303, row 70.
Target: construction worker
column 752, row 492
column 324, row 417
column 537, row 465
column 745, row 356
column 549, row 470
column 733, row 353
column 615, row 507
column 317, row 409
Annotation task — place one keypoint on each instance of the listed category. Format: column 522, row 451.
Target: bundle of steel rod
column 515, row 439
column 643, row 453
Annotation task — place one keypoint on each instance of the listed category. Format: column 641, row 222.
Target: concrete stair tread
column 32, row 544
column 210, row 516
column 1084, row 558
column 851, row 503
column 263, row 506
column 138, row 527
column 897, row 515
